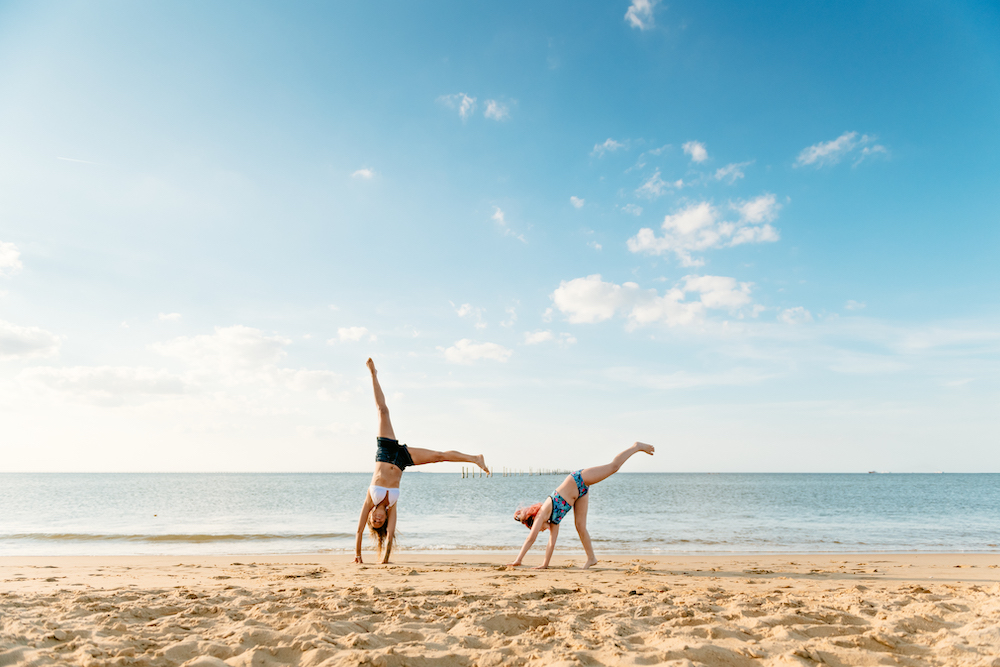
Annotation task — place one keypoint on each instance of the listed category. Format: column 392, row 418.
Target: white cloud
column 496, row 110
column 466, row 351
column 235, row 348
column 796, row 315
column 536, row 337
column 577, row 202
column 511, row 316
column 352, row 335
column 696, row 150
column 169, row 317
column 854, row 305
column 700, row 226
column 18, row 342
column 107, row 385
column 467, row 309
column 590, row 300
column 640, row 14
column 831, row 152
column 364, row 173
column 10, row 259
column 732, row 172
column 609, row 146
column 498, row 217
column 466, row 105
column 656, row 187
column 683, row 379
column 595, row 245
column 632, row 208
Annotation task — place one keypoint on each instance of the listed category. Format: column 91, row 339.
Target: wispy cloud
column 701, row 226
column 10, row 259
column 498, row 217
column 609, row 146
column 796, row 315
column 655, row 187
column 169, row 317
column 352, row 335
column 465, row 104
column 732, row 172
column 466, row 351
column 468, row 310
column 496, row 110
column 108, row 385
column 591, row 300
column 640, row 14
column 632, row 209
column 696, row 150
column 854, row 305
column 18, row 343
column 577, row 202
column 831, row 152
column 364, row 173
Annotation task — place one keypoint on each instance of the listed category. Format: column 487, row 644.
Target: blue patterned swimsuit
column 560, row 508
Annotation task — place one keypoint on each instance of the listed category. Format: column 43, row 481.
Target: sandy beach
column 469, row 609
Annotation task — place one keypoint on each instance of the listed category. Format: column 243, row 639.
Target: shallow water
column 654, row 513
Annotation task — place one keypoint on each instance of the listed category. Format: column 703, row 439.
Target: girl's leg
column 384, row 425
column 599, row 473
column 422, row 456
column 580, row 516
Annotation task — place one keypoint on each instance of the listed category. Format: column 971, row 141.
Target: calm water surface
column 654, row 513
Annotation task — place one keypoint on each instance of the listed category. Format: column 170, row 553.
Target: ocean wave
column 176, row 537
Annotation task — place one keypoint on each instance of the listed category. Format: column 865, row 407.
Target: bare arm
column 553, row 535
column 390, row 533
column 536, row 527
column 365, row 509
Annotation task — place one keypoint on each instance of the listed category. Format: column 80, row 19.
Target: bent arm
column 362, row 520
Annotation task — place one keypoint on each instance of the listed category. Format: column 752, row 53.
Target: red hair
column 528, row 514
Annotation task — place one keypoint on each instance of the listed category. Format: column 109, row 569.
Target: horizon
column 761, row 238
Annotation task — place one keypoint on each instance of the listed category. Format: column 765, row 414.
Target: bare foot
column 643, row 447
column 481, row 462
column 590, row 562
column 371, row 366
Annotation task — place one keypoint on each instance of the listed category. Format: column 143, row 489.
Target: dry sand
column 429, row 609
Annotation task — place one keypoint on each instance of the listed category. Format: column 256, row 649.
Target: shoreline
column 466, row 610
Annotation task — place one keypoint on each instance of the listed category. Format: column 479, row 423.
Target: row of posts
column 508, row 472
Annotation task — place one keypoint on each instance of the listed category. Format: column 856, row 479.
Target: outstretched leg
column 600, row 473
column 384, row 425
column 422, row 456
column 580, row 517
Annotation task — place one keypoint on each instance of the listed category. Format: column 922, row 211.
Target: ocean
column 634, row 513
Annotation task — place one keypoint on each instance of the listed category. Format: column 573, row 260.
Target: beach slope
column 465, row 610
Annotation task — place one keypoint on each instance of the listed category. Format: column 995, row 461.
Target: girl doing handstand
column 391, row 458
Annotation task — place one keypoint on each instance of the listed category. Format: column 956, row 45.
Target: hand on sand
column 643, row 447
column 371, row 366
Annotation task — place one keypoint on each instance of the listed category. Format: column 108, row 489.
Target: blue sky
column 761, row 238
